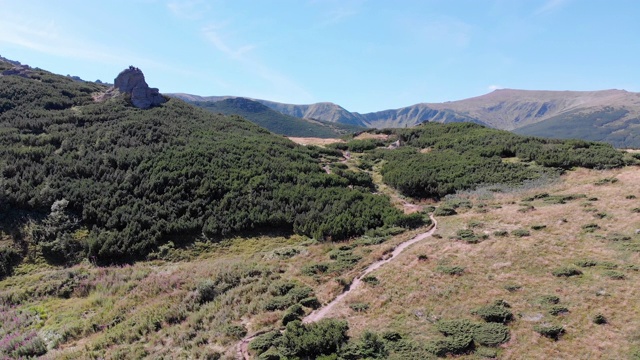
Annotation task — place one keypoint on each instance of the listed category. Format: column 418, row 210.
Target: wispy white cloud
column 494, row 87
column 188, row 9
column 336, row 11
column 243, row 55
column 550, row 6
column 52, row 39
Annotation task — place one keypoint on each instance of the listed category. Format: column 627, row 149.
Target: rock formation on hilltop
column 131, row 81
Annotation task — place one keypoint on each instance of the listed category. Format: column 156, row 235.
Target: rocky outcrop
column 131, row 81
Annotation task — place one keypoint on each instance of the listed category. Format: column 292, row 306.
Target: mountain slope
column 275, row 121
column 113, row 182
column 570, row 113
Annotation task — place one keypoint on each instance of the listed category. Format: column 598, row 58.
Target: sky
column 365, row 55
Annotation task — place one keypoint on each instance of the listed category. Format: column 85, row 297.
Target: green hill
column 608, row 125
column 111, row 182
column 276, row 122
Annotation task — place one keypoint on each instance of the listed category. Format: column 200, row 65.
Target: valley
column 135, row 225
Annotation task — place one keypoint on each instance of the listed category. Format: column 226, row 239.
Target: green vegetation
column 276, row 122
column 111, row 182
column 602, row 125
column 465, row 155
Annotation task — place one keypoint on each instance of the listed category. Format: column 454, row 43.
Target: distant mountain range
column 612, row 116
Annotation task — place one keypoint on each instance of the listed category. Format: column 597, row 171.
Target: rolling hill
column 277, row 122
column 609, row 115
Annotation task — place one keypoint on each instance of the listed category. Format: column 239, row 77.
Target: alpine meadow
column 136, row 224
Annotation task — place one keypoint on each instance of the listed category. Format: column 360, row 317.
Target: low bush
column 548, row 299
column 599, row 319
column 468, row 236
column 293, row 313
column 314, row 269
column 606, row 181
column 9, row 258
column 590, row 227
column 371, row 280
column 491, row 334
column 497, row 312
column 556, row 310
column 265, row 341
column 520, row 233
column 235, row 331
column 206, row 291
column 450, row 270
column 614, row 275
column 566, row 271
column 500, row 233
column 538, row 227
column 485, row 352
column 512, row 287
column 551, row 331
column 310, row 302
column 586, row 263
column 444, row 211
column 359, row 307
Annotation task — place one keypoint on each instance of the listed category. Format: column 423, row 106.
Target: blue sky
column 365, row 55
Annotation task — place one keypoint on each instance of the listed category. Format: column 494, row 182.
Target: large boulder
column 131, row 81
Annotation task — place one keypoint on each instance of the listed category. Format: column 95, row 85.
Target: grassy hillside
column 603, row 125
column 276, row 122
column 439, row 159
column 504, row 244
column 111, row 182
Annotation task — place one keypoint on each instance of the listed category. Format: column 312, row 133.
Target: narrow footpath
column 325, row 311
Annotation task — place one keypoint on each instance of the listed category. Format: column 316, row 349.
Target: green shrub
column 590, row 227
column 450, row 270
column 500, row 233
column 491, row 334
column 512, row 287
column 566, row 271
column 314, row 269
column 9, row 258
column 586, row 263
column 548, row 299
column 486, row 352
column 556, row 310
column 423, row 257
column 614, row 275
column 324, row 337
column 551, row 331
column 444, row 211
column 310, row 302
column 497, row 312
column 206, row 291
column 455, row 327
column 592, row 199
column 520, row 233
column 392, row 336
column 526, row 209
column 468, row 236
column 265, row 341
column 538, row 227
column 599, row 319
column 636, row 210
column 451, row 345
column 359, row 307
column 293, row 313
column 629, row 197
column 235, row 331
column 371, row 280
column 618, row 237
column 606, row 181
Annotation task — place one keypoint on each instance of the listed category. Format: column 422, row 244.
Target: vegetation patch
column 450, row 270
column 566, row 271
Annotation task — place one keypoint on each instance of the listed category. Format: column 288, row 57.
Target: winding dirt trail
column 321, row 313
column 324, row 311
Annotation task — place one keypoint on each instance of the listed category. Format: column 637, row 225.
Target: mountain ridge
column 505, row 109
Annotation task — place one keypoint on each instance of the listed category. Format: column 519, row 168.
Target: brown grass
column 313, row 141
column 412, row 294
